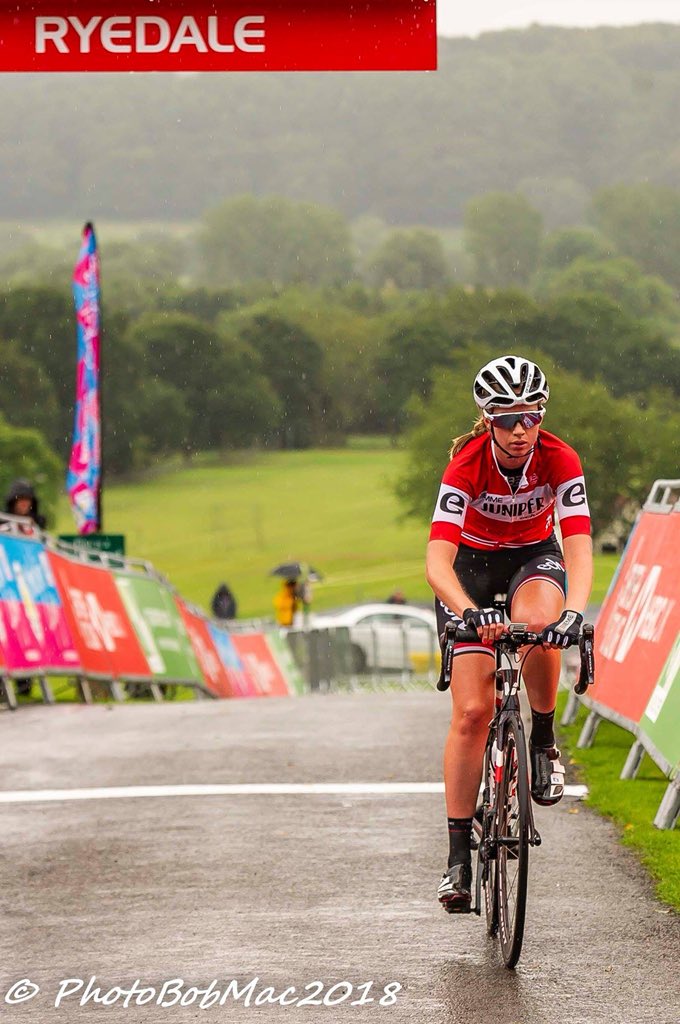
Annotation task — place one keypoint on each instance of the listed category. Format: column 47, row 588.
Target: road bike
column 503, row 825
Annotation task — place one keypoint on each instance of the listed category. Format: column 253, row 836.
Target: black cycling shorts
column 485, row 574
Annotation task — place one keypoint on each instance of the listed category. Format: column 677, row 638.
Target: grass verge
column 235, row 517
column 630, row 804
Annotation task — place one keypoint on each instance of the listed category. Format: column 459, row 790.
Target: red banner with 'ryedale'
column 179, row 35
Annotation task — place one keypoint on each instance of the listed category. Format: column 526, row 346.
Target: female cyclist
column 492, row 533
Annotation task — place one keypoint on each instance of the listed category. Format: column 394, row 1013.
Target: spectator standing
column 21, row 500
column 224, row 603
column 286, row 603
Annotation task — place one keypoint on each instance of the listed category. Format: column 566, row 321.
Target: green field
column 630, row 803
column 234, row 519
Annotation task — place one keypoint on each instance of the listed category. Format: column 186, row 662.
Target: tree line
column 626, row 248
column 554, row 114
column 200, row 369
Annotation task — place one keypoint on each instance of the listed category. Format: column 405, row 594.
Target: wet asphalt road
column 290, row 889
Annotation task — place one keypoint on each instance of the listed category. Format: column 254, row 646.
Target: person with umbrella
column 295, row 591
column 286, row 603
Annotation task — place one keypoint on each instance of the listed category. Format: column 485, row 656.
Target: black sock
column 542, row 728
column 460, row 834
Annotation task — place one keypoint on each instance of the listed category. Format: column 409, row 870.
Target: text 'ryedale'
column 150, row 34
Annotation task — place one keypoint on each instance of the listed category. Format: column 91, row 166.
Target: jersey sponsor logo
column 513, row 506
column 550, row 564
column 451, row 505
column 571, row 498
column 574, row 496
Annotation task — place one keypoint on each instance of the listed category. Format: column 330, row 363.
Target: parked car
column 387, row 636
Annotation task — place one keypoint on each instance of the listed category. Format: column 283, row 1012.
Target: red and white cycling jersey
column 476, row 505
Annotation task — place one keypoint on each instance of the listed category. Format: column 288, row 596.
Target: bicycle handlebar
column 511, row 642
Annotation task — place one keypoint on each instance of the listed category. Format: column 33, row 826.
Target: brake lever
column 586, row 646
column 444, row 680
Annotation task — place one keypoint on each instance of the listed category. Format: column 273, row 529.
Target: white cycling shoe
column 547, row 775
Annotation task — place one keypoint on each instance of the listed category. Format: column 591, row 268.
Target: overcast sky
column 470, row 17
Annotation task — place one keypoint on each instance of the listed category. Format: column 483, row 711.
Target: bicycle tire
column 512, row 834
column 488, row 867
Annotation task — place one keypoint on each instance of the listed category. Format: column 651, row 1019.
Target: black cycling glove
column 478, row 617
column 566, row 631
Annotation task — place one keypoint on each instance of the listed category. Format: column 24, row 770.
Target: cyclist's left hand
column 565, row 632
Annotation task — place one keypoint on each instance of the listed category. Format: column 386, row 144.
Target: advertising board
column 34, row 630
column 240, row 680
column 207, row 655
column 259, row 662
column 659, row 723
column 640, row 619
column 159, row 627
column 105, row 639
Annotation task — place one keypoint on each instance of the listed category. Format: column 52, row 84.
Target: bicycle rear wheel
column 512, row 858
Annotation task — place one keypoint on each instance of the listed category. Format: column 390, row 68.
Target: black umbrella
column 296, row 570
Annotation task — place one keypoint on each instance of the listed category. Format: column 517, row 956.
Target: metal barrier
column 342, row 658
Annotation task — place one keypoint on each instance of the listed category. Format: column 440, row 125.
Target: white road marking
column 247, row 789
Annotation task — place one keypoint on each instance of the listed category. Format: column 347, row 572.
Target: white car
column 387, row 636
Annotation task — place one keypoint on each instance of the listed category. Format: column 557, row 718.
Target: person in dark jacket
column 223, row 603
column 21, row 500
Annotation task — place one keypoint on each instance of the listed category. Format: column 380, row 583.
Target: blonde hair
column 479, row 427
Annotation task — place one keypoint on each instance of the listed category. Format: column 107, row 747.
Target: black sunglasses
column 509, row 420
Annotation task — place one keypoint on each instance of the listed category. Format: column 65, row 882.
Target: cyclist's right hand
column 487, row 621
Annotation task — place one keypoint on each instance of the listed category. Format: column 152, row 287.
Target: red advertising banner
column 106, row 641
column 258, row 660
column 214, row 672
column 176, row 35
column 640, row 619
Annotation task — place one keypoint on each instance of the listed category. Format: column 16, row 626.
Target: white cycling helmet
column 510, row 381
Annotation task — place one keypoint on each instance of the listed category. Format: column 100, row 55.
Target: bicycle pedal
column 457, row 908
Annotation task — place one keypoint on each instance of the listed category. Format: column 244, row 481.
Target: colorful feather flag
column 83, row 481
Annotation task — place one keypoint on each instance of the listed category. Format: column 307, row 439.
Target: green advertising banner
column 159, row 628
column 283, row 656
column 659, row 722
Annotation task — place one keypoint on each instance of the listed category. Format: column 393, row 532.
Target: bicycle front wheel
column 513, row 824
column 486, row 863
